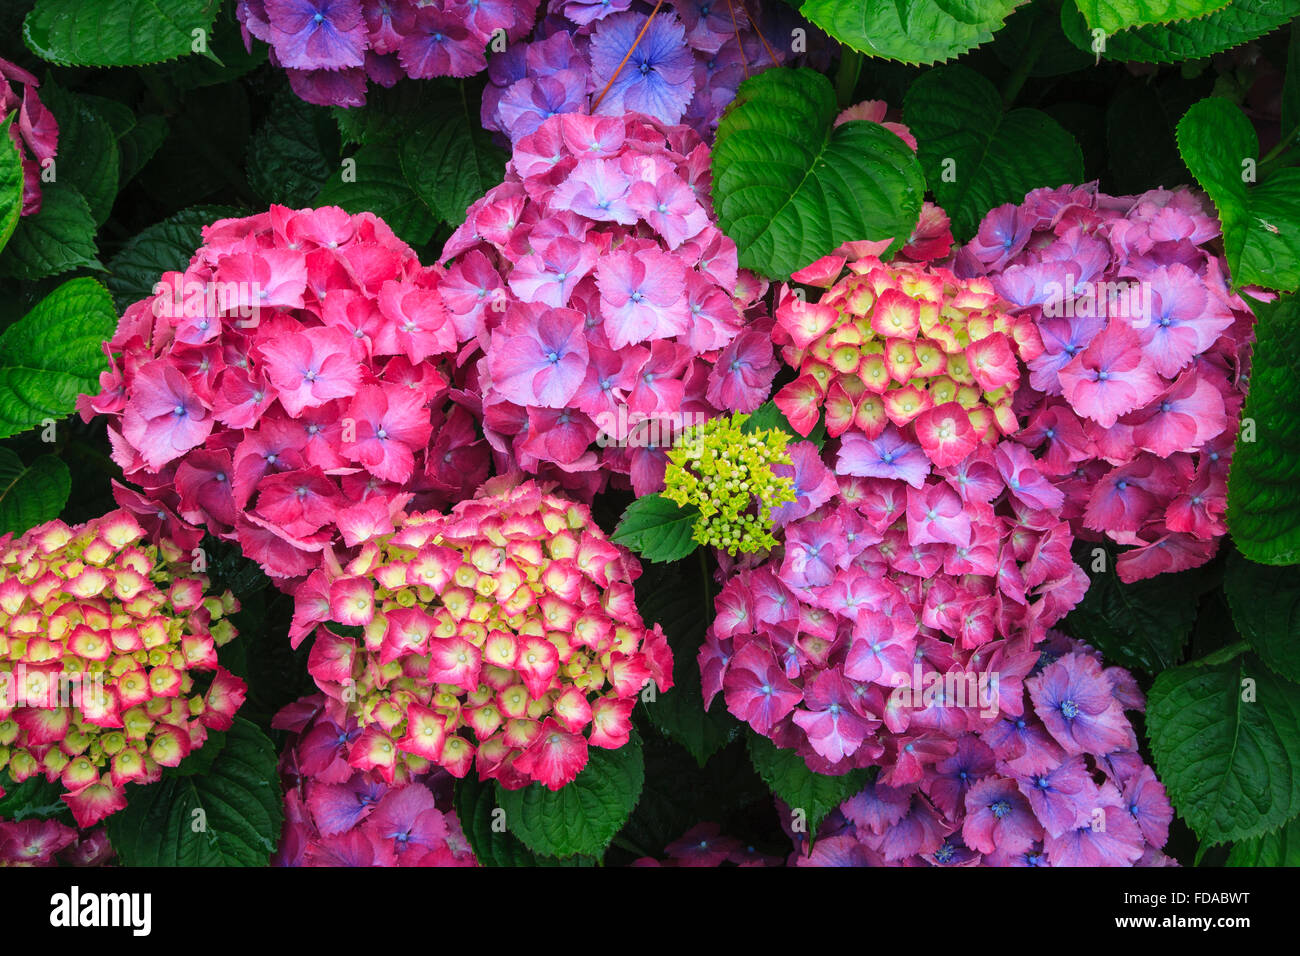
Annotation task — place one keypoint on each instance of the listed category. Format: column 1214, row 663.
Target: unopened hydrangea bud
column 727, row 474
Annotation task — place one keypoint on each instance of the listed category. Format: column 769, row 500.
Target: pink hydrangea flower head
column 108, row 663
column 1137, row 360
column 1005, row 794
column 295, row 386
column 680, row 61
column 338, row 815
column 607, row 312
column 898, row 611
column 332, row 49
column 500, row 636
column 901, row 345
column 33, row 129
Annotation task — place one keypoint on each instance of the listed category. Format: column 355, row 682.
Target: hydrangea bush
column 648, row 432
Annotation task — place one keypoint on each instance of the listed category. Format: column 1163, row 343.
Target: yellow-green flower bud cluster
column 727, row 474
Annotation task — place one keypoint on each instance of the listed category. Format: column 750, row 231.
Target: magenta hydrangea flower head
column 331, row 49
column 900, row 348
column 679, row 61
column 34, row 842
column 292, row 388
column 1032, row 788
column 900, row 609
column 337, row 815
column 502, row 635
column 1137, row 365
column 33, row 129
column 107, row 642
column 608, row 311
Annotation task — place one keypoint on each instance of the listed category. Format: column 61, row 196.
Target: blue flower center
column 1069, row 709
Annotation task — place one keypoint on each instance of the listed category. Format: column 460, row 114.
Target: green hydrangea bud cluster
column 727, row 475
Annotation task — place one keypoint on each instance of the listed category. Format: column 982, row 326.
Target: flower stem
column 846, row 76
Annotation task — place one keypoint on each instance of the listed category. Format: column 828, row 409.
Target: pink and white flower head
column 32, row 128
column 292, row 388
column 337, row 815
column 606, row 309
column 331, row 49
column 501, row 636
column 1137, row 372
column 106, row 647
column 1055, row 781
column 902, row 348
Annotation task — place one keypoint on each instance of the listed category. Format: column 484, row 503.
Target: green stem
column 623, row 843
column 846, row 76
column 1222, row 655
column 1011, row 88
column 708, row 586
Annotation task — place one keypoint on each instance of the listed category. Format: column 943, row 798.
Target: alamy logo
column 175, row 299
column 1121, row 298
column 74, row 909
column 951, row 689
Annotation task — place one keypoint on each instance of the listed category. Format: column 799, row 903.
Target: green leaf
column 1291, row 87
column 657, row 529
column 139, row 144
column 378, row 186
column 241, row 803
column 52, row 354
column 768, row 416
column 450, row 161
column 88, row 157
column 788, row 776
column 1143, row 625
column 789, row 188
column 1239, row 22
column 11, row 181
column 976, row 156
column 1261, row 222
column 1264, row 481
column 228, row 61
column 1265, row 604
column 1115, row 15
column 201, row 761
column 390, row 114
column 58, row 238
column 583, row 816
column 476, row 804
column 1226, row 748
column 1279, row 848
column 166, row 246
column 292, row 153
column 31, row 495
column 116, row 32
column 913, row 31
column 34, row 798
column 673, row 598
